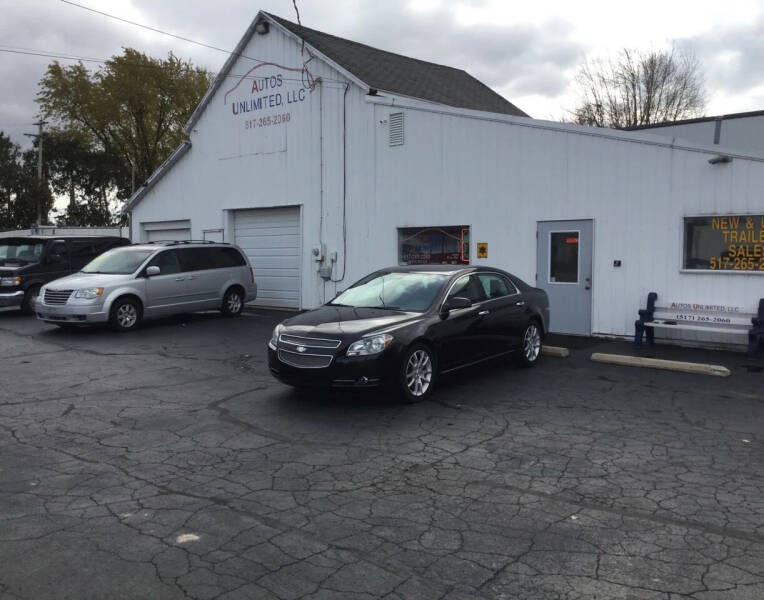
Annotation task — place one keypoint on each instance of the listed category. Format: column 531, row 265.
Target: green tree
column 132, row 111
column 20, row 190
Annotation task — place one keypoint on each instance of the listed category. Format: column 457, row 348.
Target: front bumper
column 11, row 298
column 343, row 372
column 74, row 313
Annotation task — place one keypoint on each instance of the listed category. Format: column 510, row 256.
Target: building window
column 449, row 245
column 563, row 257
column 724, row 243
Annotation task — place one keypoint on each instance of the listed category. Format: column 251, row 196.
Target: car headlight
column 275, row 336
column 10, row 281
column 371, row 345
column 89, row 293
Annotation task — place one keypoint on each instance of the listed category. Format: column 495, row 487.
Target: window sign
column 563, row 257
column 434, row 245
column 724, row 243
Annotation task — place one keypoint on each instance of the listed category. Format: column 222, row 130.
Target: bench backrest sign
column 704, row 313
column 724, row 243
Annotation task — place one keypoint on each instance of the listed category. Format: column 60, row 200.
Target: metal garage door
column 271, row 239
column 157, row 231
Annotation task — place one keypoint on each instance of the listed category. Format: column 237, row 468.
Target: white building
column 744, row 131
column 325, row 159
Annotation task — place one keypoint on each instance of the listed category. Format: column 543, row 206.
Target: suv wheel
column 417, row 374
column 233, row 303
column 530, row 352
column 125, row 315
column 30, row 297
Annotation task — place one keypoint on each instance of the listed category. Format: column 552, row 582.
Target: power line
column 67, row 56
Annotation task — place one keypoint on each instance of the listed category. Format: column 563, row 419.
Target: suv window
column 167, row 261
column 468, row 287
column 496, row 286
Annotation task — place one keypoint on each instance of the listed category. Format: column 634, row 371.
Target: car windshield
column 395, row 291
column 120, row 261
column 20, row 252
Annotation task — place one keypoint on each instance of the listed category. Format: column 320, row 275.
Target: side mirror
column 455, row 303
column 152, row 271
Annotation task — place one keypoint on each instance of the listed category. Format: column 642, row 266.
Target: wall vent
column 396, row 129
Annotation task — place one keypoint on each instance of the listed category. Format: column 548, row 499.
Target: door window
column 167, row 262
column 468, row 287
column 563, row 257
column 495, row 286
column 57, row 254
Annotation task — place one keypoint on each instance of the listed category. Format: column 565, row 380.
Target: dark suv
column 29, row 262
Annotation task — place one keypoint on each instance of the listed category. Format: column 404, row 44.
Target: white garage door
column 158, row 231
column 271, row 239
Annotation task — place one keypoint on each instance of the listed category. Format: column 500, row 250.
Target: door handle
column 520, row 303
column 179, row 278
column 483, row 313
column 588, row 284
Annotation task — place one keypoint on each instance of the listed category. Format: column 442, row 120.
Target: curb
column 656, row 363
column 555, row 351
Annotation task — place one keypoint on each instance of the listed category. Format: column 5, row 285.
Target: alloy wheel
column 532, row 343
column 419, row 373
column 234, row 303
column 127, row 316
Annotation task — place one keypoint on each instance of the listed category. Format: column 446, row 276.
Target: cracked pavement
column 168, row 463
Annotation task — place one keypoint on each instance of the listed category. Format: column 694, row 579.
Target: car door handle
column 180, row 278
column 483, row 313
column 520, row 303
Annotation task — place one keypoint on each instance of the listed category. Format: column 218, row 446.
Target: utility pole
column 40, row 124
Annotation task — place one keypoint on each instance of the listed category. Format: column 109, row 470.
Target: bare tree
column 640, row 88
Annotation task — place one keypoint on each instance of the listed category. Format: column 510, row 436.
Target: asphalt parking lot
column 168, row 463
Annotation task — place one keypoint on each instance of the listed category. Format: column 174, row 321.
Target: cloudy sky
column 527, row 51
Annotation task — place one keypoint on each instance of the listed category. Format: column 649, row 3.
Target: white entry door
column 565, row 273
column 271, row 239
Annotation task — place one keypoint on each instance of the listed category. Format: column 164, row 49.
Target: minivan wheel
column 233, row 303
column 125, row 315
column 417, row 373
column 530, row 351
column 30, row 297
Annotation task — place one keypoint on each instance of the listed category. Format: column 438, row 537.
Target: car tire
column 416, row 378
column 530, row 351
column 233, row 303
column 125, row 315
column 27, row 304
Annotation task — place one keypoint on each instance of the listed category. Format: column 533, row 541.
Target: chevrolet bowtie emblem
column 301, row 348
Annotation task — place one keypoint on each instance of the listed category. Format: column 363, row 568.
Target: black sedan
column 404, row 326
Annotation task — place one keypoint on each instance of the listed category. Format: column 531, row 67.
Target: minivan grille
column 305, row 361
column 57, row 296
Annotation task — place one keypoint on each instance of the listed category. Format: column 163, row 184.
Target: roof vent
column 396, row 129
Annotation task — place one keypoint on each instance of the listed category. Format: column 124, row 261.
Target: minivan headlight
column 89, row 293
column 10, row 281
column 371, row 345
column 275, row 336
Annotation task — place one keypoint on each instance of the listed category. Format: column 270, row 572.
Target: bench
column 700, row 317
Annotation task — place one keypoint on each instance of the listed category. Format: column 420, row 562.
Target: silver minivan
column 126, row 285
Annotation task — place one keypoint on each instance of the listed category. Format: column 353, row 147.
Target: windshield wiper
column 387, row 307
column 338, row 304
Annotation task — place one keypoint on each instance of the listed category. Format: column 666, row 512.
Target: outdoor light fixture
column 720, row 159
column 262, row 27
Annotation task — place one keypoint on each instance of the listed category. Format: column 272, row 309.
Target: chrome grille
column 308, row 342
column 305, row 361
column 57, row 296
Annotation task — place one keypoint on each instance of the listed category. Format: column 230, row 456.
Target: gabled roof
column 389, row 72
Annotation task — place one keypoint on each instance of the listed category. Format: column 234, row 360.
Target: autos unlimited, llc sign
column 267, row 95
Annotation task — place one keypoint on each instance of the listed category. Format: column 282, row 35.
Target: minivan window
column 230, row 257
column 167, row 262
column 20, row 252
column 198, row 259
column 119, row 261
